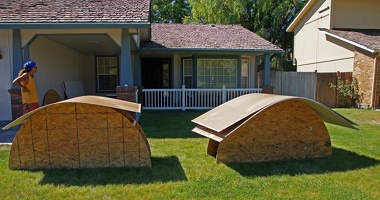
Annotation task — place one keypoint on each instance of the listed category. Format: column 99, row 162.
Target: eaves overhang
column 73, row 25
column 212, row 50
column 300, row 15
column 351, row 42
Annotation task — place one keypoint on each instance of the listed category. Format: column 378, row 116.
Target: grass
column 182, row 169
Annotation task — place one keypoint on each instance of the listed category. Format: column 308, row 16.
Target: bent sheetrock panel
column 93, row 100
column 241, row 107
column 81, row 133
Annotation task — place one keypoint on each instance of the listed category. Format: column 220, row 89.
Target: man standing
column 26, row 81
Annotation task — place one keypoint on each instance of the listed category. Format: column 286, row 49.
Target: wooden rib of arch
column 79, row 135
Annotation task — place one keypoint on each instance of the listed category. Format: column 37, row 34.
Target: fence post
column 223, row 94
column 183, row 97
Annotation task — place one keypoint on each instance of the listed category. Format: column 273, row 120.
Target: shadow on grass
column 164, row 169
column 340, row 161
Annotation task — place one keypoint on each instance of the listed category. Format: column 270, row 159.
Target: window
column 244, row 73
column 107, row 77
column 166, row 73
column 214, row 73
column 188, row 73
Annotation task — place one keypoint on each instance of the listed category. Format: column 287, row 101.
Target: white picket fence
column 190, row 98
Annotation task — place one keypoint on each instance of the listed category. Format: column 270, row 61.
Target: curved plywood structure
column 82, row 132
column 264, row 127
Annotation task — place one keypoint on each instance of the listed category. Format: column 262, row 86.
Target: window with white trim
column 214, row 73
column 107, row 77
column 188, row 73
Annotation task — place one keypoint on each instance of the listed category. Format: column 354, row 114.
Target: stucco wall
column 364, row 69
column 6, row 74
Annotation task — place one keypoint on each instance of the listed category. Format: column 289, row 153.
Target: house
column 344, row 36
column 105, row 44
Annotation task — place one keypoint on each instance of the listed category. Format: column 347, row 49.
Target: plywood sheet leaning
column 266, row 127
column 82, row 132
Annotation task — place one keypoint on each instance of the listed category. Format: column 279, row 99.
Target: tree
column 267, row 18
column 170, row 11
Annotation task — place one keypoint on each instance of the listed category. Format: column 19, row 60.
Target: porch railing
column 192, row 98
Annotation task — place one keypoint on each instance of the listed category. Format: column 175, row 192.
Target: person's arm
column 23, row 78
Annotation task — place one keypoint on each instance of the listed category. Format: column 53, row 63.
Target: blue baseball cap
column 29, row 65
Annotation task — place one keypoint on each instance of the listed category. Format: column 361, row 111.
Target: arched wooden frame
column 279, row 129
column 75, row 134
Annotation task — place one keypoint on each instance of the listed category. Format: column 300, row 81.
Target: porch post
column 267, row 70
column 129, row 94
column 183, row 98
column 17, row 54
column 137, row 71
column 126, row 63
column 15, row 91
column 267, row 87
column 238, row 81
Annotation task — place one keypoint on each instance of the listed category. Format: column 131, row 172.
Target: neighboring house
column 109, row 43
column 341, row 35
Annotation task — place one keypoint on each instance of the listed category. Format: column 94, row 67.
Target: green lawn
column 182, row 169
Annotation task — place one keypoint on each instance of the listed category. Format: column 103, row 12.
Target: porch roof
column 19, row 12
column 367, row 39
column 182, row 37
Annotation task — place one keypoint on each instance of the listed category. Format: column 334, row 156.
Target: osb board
column 51, row 96
column 286, row 130
column 62, row 107
column 79, row 135
column 231, row 112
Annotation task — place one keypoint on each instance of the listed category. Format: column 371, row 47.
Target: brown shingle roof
column 369, row 38
column 199, row 36
column 74, row 11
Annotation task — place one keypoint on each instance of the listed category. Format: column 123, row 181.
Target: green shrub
column 348, row 91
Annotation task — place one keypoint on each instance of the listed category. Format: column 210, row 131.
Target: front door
column 155, row 73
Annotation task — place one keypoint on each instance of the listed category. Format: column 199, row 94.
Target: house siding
column 6, row 74
column 56, row 64
column 364, row 72
column 363, row 14
column 177, row 71
column 314, row 50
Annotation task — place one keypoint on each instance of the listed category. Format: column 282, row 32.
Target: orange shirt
column 32, row 95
